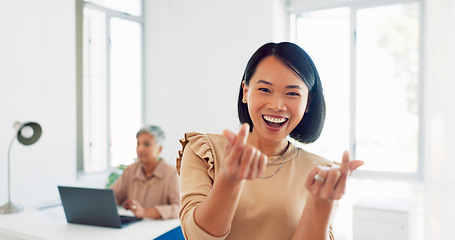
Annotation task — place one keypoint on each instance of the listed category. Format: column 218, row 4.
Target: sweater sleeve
column 196, row 167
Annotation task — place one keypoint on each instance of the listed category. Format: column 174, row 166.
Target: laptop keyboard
column 129, row 219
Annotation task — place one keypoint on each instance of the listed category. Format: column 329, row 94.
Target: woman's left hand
column 329, row 184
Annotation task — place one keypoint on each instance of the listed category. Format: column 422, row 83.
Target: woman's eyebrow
column 264, row 82
column 289, row 86
column 293, row 86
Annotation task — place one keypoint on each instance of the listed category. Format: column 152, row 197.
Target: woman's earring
column 244, row 100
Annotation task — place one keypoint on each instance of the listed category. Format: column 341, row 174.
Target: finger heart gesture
column 329, row 183
column 241, row 160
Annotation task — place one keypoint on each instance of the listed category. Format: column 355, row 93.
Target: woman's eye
column 264, row 90
column 293, row 94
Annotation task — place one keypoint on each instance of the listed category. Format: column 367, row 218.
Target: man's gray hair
column 156, row 131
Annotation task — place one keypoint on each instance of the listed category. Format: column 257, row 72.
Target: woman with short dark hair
column 256, row 184
column 310, row 127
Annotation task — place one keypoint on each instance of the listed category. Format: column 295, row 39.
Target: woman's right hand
column 135, row 207
column 242, row 160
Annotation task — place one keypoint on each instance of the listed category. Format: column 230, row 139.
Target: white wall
column 37, row 83
column 196, row 54
column 439, row 90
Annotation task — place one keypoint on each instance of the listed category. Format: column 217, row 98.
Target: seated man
column 150, row 186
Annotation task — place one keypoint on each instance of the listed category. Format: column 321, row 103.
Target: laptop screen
column 91, row 206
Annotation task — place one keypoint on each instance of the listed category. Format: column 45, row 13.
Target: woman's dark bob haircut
column 310, row 127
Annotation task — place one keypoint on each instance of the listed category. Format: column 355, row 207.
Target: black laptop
column 92, row 206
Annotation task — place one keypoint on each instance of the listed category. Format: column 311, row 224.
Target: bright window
column 332, row 61
column 387, row 72
column 133, row 7
column 126, row 87
column 368, row 60
column 112, row 79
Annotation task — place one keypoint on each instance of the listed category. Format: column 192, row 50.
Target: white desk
column 50, row 224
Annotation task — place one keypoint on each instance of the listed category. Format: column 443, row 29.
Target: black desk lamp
column 27, row 133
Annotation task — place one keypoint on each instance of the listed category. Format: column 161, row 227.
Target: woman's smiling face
column 276, row 98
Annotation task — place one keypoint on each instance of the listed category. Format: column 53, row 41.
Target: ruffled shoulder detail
column 201, row 146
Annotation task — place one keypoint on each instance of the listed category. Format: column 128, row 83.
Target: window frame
column 297, row 11
column 110, row 13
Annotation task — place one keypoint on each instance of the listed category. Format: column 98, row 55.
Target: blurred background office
column 91, row 73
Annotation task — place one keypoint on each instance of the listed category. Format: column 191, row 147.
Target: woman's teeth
column 275, row 119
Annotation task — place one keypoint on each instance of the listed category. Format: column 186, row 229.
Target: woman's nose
column 276, row 103
column 139, row 148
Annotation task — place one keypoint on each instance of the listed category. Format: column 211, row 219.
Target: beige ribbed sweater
column 267, row 209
